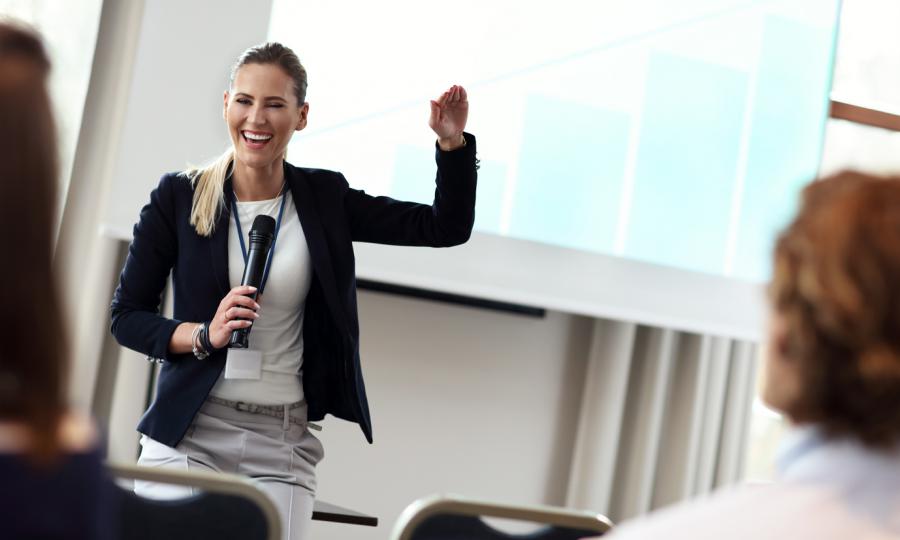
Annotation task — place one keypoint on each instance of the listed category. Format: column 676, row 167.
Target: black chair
column 228, row 507
column 456, row 518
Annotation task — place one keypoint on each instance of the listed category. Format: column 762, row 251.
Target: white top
column 826, row 489
column 278, row 332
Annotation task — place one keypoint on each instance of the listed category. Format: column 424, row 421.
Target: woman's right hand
column 226, row 320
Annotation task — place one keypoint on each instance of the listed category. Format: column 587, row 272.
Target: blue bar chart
column 679, row 137
column 686, row 159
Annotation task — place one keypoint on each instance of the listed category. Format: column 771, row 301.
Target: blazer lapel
column 218, row 244
column 315, row 240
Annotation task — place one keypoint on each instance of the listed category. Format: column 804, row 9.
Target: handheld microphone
column 262, row 234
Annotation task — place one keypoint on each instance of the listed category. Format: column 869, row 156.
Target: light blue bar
column 687, row 160
column 789, row 117
column 570, row 174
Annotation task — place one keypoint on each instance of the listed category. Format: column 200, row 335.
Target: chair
column 228, row 507
column 452, row 517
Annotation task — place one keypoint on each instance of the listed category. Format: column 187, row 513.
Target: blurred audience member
column 832, row 366
column 52, row 483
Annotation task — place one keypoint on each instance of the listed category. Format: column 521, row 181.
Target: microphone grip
column 253, row 271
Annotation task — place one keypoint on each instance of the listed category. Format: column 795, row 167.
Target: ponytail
column 209, row 192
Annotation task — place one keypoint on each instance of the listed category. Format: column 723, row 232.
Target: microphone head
column 262, row 232
column 264, row 225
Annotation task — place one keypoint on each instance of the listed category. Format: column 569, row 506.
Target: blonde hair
column 208, row 181
column 209, row 192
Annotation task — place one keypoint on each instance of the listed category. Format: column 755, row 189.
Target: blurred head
column 834, row 341
column 265, row 103
column 32, row 358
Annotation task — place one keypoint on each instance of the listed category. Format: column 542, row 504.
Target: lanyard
column 240, row 233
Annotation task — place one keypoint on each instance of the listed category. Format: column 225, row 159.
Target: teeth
column 255, row 137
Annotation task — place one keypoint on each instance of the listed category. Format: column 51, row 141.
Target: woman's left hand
column 448, row 117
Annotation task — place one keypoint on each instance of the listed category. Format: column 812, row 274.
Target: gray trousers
column 280, row 455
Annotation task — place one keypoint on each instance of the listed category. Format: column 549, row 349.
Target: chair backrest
column 452, row 517
column 228, row 507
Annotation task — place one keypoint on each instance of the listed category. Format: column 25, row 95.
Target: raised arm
column 449, row 219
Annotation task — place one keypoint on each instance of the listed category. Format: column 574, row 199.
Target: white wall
column 463, row 400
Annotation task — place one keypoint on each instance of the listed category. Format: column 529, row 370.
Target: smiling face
column 262, row 113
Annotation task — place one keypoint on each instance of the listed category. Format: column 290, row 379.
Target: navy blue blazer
column 333, row 216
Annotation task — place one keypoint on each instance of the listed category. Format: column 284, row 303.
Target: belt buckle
column 241, row 406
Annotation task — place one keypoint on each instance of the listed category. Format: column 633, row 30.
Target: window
column 69, row 30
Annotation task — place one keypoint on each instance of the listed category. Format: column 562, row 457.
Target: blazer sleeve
column 135, row 310
column 447, row 221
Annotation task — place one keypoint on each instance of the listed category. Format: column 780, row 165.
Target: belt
column 276, row 411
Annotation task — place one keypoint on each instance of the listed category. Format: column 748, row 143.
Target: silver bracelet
column 196, row 348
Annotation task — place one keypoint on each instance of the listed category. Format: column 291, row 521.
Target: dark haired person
column 249, row 413
column 52, row 483
column 832, row 366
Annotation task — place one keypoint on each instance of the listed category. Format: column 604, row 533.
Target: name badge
column 243, row 364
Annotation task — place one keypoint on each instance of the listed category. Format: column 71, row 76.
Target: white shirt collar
column 806, row 454
column 797, row 444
